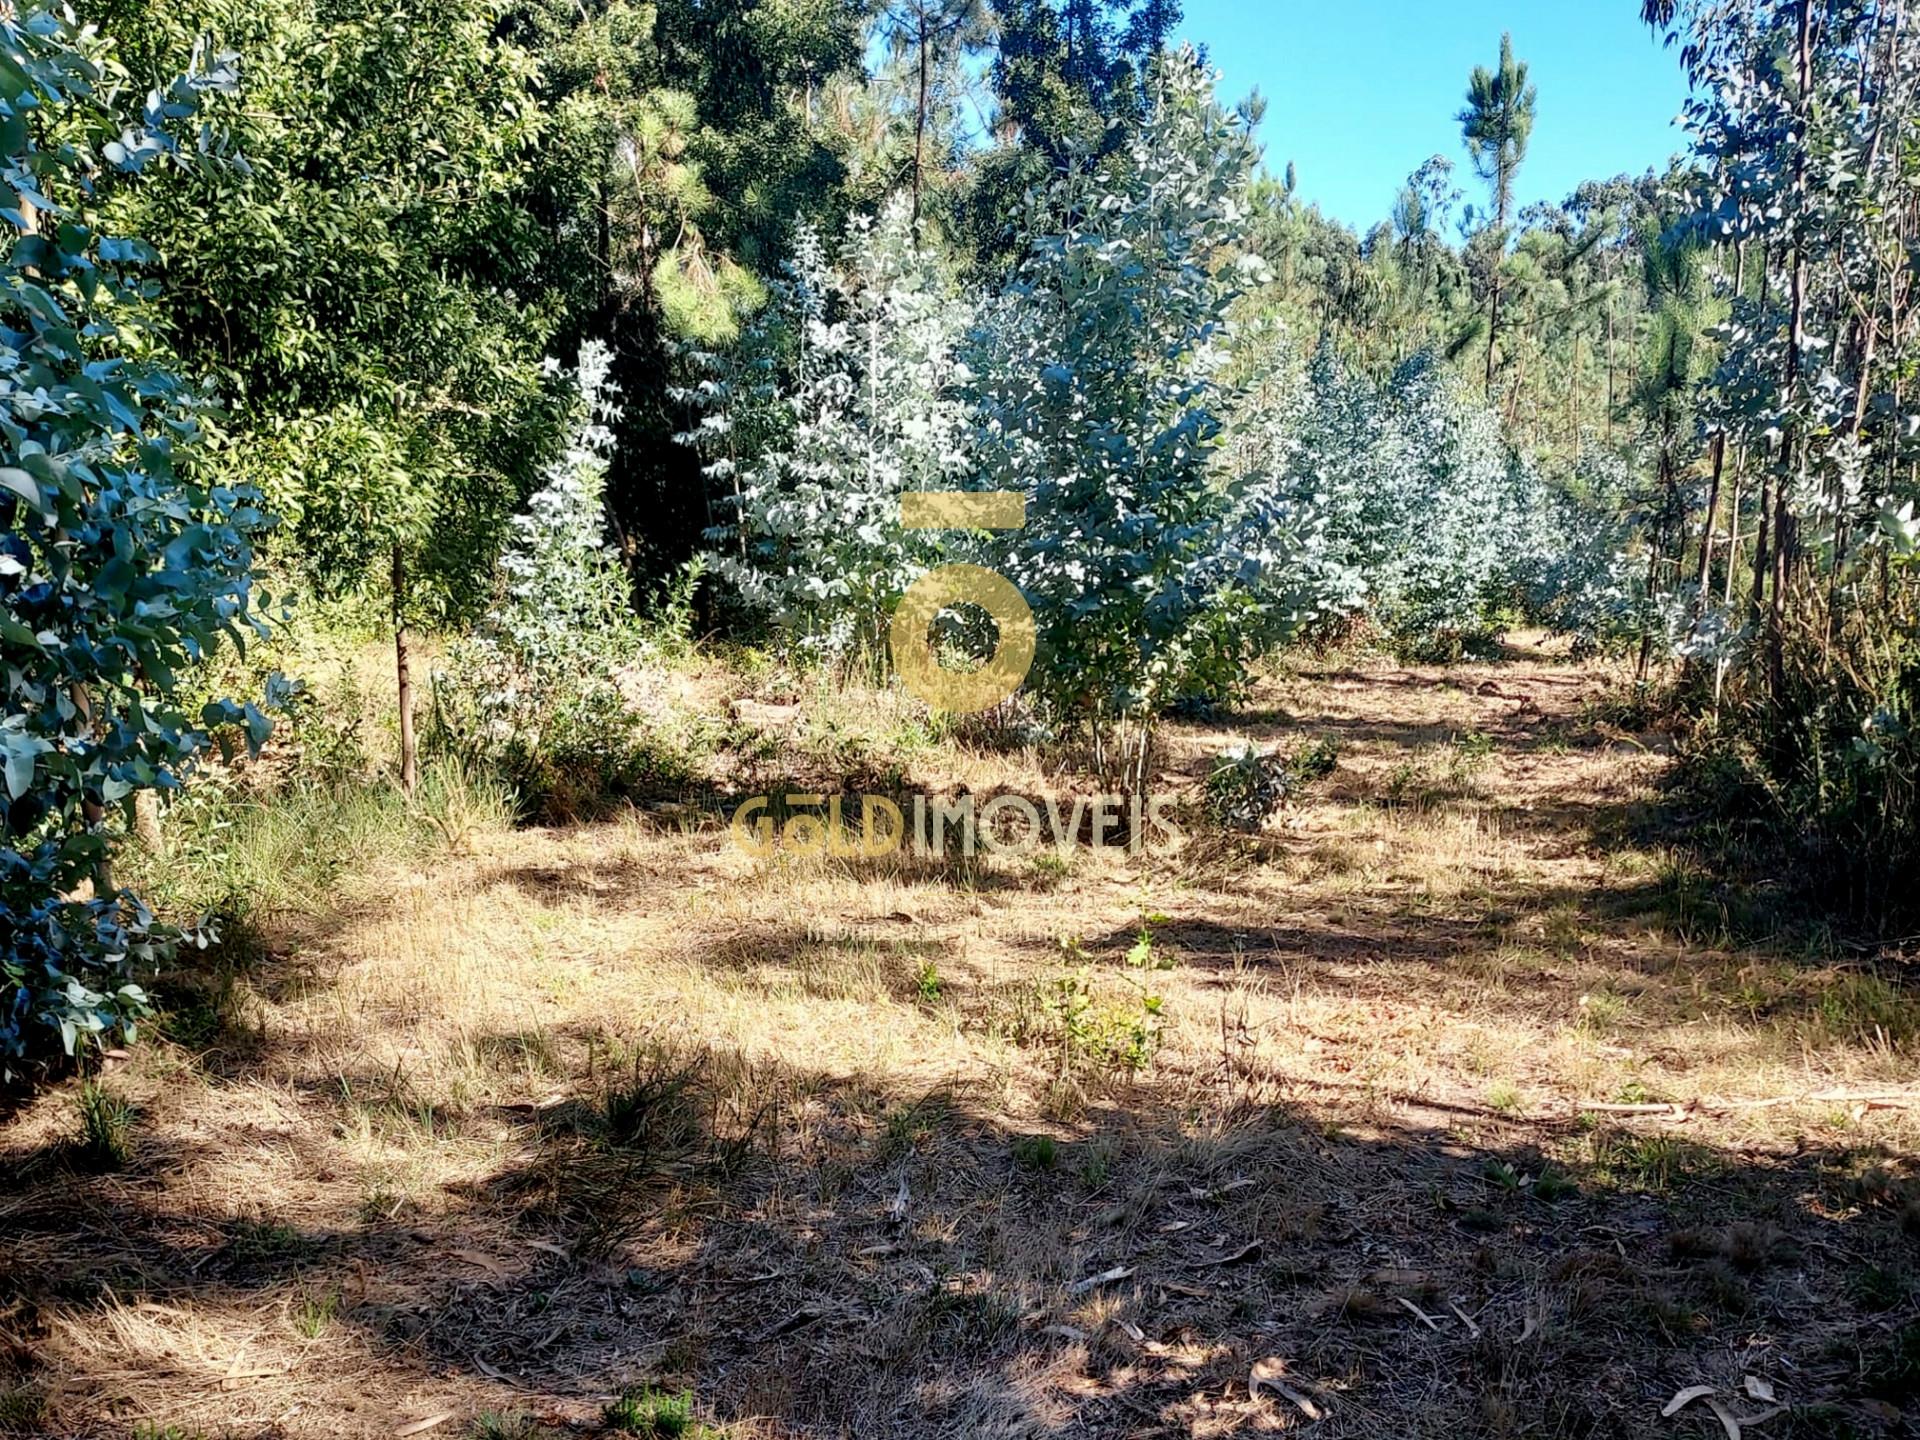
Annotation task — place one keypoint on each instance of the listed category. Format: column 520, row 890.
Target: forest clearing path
column 1024, row 1148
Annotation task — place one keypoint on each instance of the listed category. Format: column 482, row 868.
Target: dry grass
column 507, row 1132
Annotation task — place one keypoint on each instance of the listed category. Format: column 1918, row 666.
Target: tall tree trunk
column 1610, row 373
column 920, row 122
column 1793, row 446
column 1733, row 533
column 146, row 821
column 1733, row 564
column 1713, row 510
column 403, row 675
column 603, row 244
column 1573, row 399
column 1655, row 539
column 1503, row 184
column 1493, row 325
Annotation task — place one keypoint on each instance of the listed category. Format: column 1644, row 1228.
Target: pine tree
column 1497, row 125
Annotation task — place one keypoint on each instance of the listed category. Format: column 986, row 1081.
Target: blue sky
column 1360, row 92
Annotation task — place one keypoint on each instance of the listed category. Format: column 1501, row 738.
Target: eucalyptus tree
column 534, row 690
column 1409, row 508
column 123, row 561
column 1096, row 397
column 1497, row 125
column 1422, row 215
column 847, row 384
column 1807, row 134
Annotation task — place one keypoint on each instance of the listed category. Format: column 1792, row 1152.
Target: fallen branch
column 1244, row 1255
column 1872, row 1099
column 1266, row 1376
column 799, row 1320
column 1418, row 1314
column 1105, row 1277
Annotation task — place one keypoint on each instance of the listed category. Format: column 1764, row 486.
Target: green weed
column 656, row 1415
column 106, row 1129
column 1036, row 1152
column 314, row 1314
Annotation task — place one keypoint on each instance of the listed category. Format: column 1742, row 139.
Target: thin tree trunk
column 1573, row 398
column 920, row 124
column 1610, row 397
column 146, row 821
column 1493, row 326
column 1501, row 189
column 1733, row 540
column 403, row 675
column 1733, row 564
column 603, row 243
column 1713, row 510
column 1792, row 446
column 1654, row 539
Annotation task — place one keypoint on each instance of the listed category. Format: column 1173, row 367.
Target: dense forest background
column 426, row 294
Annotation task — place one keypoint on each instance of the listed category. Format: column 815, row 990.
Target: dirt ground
column 1456, row 1103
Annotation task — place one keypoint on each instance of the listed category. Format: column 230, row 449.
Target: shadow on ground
column 827, row 1254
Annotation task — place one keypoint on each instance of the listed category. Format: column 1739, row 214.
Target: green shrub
column 1091, row 1029
column 534, row 694
column 650, row 1103
column 22, row 1410
column 1036, row 1152
column 656, row 1415
column 106, row 1129
column 1247, row 785
column 314, row 1313
column 118, row 571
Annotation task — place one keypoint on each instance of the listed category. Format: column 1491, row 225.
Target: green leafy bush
column 1095, row 396
column 1413, row 511
column 535, row 692
column 106, row 1129
column 657, row 1415
column 842, row 395
column 1248, row 784
column 120, row 565
column 1093, row 1029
